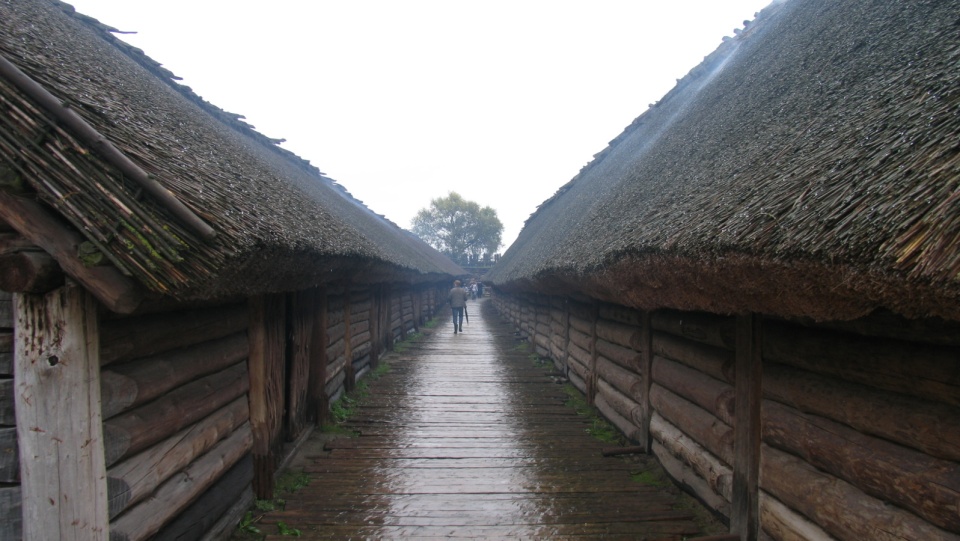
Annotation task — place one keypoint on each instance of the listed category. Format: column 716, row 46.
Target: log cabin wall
column 859, row 422
column 176, row 420
column 336, row 348
column 10, row 500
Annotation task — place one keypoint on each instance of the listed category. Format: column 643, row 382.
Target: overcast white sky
column 404, row 101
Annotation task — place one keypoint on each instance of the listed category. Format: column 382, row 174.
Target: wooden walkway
column 467, row 437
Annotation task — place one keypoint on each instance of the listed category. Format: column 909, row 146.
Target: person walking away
column 458, row 300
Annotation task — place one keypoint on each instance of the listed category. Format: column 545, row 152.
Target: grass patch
column 649, row 478
column 286, row 483
column 600, row 428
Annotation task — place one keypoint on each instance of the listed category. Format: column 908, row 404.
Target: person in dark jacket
column 458, row 302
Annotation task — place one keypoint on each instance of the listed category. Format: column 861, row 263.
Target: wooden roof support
column 103, row 147
column 57, row 374
column 118, row 292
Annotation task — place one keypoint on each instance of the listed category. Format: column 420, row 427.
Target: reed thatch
column 810, row 166
column 280, row 224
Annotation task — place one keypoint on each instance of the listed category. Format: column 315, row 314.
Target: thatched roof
column 280, row 224
column 810, row 166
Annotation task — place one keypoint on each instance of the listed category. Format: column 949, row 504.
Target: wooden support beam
column 319, row 360
column 118, row 292
column 644, row 343
column 29, row 272
column 745, row 508
column 62, row 467
column 592, row 374
column 301, row 312
column 350, row 377
column 266, row 334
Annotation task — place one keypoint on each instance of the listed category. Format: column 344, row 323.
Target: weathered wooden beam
column 745, row 512
column 930, row 487
column 687, row 477
column 118, row 292
column 173, row 496
column 931, row 427
column 838, row 507
column 134, row 337
column 142, row 427
column 715, row 396
column 643, row 342
column 318, row 362
column 29, row 272
column 710, row 432
column 11, row 243
column 786, row 524
column 9, row 455
column 301, row 312
column 11, row 512
column 205, row 516
column 136, row 478
column 128, row 385
column 350, row 377
column 919, row 370
column 717, row 475
column 267, row 341
column 63, row 477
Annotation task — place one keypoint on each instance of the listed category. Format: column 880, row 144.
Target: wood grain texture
column 63, row 477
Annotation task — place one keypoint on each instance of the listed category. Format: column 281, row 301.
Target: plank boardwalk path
column 467, row 437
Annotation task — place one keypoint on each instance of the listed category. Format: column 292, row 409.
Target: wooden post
column 349, row 380
column 301, row 313
column 566, row 337
column 388, row 316
column 591, row 382
column 318, row 361
column 62, row 468
column 266, row 367
column 646, row 379
column 744, row 519
column 376, row 342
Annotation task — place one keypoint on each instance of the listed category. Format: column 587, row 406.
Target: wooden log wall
column 857, row 424
column 176, row 415
column 11, row 522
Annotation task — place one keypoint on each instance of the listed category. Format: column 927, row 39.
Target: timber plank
column 467, row 437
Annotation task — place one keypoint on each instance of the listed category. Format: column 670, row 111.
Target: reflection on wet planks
column 466, row 437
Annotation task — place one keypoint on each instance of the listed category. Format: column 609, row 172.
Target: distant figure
column 473, row 291
column 480, row 289
column 457, row 300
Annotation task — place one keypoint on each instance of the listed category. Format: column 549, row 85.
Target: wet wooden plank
column 466, row 437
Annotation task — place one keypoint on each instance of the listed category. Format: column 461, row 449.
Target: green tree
column 461, row 229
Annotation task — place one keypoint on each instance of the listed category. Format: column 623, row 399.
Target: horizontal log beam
column 931, row 427
column 713, row 395
column 707, row 430
column 136, row 478
column 928, row 486
column 624, row 357
column 786, row 524
column 142, row 427
column 29, row 272
column 684, row 475
column 621, row 334
column 175, row 495
column 838, row 507
column 919, row 370
column 117, row 292
column 710, row 329
column 715, row 362
column 717, row 475
column 130, row 338
column 131, row 384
